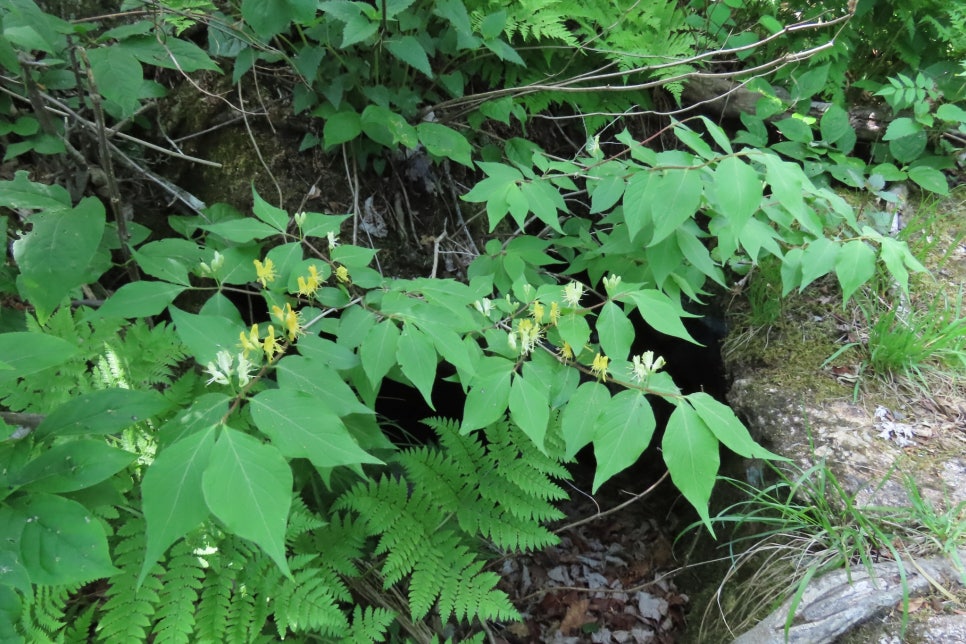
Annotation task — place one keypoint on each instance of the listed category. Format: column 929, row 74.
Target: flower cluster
column 646, row 364
column 309, row 285
column 252, row 341
column 222, row 368
column 289, row 319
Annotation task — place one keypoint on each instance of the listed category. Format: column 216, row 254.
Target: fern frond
column 175, row 619
column 310, row 602
column 80, row 629
column 301, row 520
column 341, row 541
column 127, row 614
column 44, row 611
column 211, row 617
column 368, row 625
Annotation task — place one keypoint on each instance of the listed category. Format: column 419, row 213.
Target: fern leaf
column 310, row 603
column 80, row 629
column 127, row 614
column 182, row 581
column 368, row 625
column 214, row 606
column 44, row 611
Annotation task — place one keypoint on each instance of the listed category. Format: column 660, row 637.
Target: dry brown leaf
column 575, row 617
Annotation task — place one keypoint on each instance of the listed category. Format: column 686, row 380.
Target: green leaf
column 615, row 331
column 901, row 127
column 891, row 252
column 794, row 129
column 639, row 196
column 690, row 451
column 786, row 180
column 241, row 230
column 694, row 141
column 378, row 352
column 70, row 236
column 28, row 352
column 854, row 267
column 169, row 259
column 248, row 486
column 172, row 53
column 529, row 409
column 835, row 124
column 118, row 76
column 489, row 393
column 358, row 29
column 818, row 259
column 624, row 431
column 205, row 335
column 951, row 112
column 315, row 378
column 929, row 179
column 808, row 83
column 21, row 193
column 605, row 193
column 206, row 411
column 660, row 312
column 492, row 24
column 102, row 412
column 62, row 542
column 450, row 347
column 675, row 197
column 697, row 253
column 908, row 148
column 353, row 256
column 721, row 420
column 575, row 331
column 72, row 466
column 271, row 215
column 718, row 134
column 172, row 495
column 140, row 299
column 410, row 51
column 341, row 127
column 417, row 359
column 387, row 128
column 445, row 142
column 738, row 189
column 544, row 200
column 579, row 418
column 301, row 427
column 269, row 17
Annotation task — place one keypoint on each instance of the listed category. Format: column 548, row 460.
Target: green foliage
column 223, row 476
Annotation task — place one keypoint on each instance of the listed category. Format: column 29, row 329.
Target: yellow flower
column 265, row 272
column 342, row 274
column 554, row 313
column 309, row 285
column 598, row 367
column 249, row 341
column 566, row 352
column 270, row 345
column 289, row 319
column 538, row 310
column 572, row 293
column 529, row 332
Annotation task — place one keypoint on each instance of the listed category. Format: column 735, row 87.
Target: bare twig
column 352, row 176
column 59, row 108
column 107, row 164
column 436, row 241
column 576, row 84
column 616, row 508
column 258, row 151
